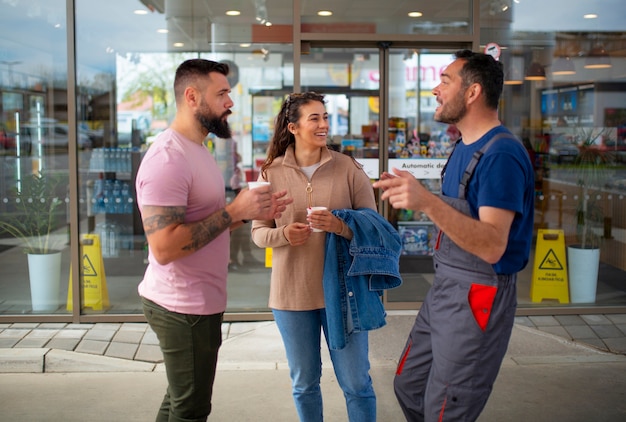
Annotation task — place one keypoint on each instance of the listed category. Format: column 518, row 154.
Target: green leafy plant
column 593, row 167
column 33, row 217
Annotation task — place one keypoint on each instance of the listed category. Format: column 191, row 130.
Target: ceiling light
column 324, row 13
column 244, row 45
column 598, row 58
column 535, row 72
column 563, row 66
column 162, row 31
column 140, row 12
column 415, row 14
column 179, row 44
column 233, row 12
column 590, row 16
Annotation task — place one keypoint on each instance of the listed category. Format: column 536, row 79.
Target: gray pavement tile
column 52, row 325
column 616, row 345
column 32, row 342
column 39, row 333
column 13, row 333
column 150, row 338
column 22, row 360
column 4, row 325
column 121, row 350
column 570, row 319
column 79, row 326
column 24, row 325
column 595, row 342
column 99, row 334
column 617, row 319
column 63, row 343
column 92, row 346
column 108, row 326
column 543, row 320
column 128, row 337
column 525, row 321
column 134, row 326
column 621, row 327
column 149, row 353
column 607, row 331
column 596, row 319
column 9, row 342
column 579, row 332
column 70, row 334
column 557, row 331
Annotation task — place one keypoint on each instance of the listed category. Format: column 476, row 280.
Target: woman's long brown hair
column 289, row 113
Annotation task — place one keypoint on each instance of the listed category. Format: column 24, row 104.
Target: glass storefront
column 86, row 86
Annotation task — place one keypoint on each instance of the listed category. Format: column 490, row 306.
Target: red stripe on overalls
column 403, row 360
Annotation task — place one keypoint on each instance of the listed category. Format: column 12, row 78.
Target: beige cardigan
column 338, row 183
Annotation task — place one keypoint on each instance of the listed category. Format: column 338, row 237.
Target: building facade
column 86, row 85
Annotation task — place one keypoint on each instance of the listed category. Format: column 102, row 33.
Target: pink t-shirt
column 176, row 171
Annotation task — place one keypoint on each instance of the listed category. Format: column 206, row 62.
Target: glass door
column 418, row 144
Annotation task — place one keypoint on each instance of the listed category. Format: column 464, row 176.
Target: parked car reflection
column 563, row 148
column 52, row 135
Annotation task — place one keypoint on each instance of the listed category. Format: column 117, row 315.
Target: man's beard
column 456, row 110
column 216, row 125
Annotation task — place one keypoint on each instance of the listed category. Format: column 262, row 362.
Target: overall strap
column 469, row 171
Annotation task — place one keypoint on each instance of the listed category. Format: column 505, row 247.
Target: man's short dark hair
column 195, row 68
column 484, row 70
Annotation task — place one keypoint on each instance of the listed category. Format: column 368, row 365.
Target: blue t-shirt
column 504, row 178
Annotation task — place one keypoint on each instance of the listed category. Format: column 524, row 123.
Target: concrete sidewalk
column 543, row 378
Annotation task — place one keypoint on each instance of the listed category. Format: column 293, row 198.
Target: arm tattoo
column 202, row 232
column 206, row 230
column 165, row 217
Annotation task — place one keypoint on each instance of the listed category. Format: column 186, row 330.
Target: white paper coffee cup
column 310, row 210
column 254, row 185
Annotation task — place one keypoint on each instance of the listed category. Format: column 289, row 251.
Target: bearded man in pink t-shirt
column 181, row 197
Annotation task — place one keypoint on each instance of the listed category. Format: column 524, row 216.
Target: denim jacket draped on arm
column 357, row 271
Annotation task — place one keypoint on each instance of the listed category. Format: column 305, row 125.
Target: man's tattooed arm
column 171, row 238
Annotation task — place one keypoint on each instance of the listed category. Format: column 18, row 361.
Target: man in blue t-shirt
column 485, row 221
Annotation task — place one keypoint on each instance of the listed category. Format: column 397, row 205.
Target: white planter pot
column 45, row 281
column 582, row 271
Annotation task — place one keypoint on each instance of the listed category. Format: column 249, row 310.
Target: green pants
column 189, row 344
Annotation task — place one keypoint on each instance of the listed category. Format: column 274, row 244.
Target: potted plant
column 592, row 170
column 32, row 218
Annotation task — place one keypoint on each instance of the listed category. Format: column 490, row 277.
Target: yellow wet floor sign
column 94, row 283
column 268, row 257
column 550, row 268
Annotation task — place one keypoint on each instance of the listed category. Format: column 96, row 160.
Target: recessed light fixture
column 415, row 14
column 179, row 44
column 233, row 13
column 268, row 23
column 244, row 45
column 324, row 13
column 140, row 12
column 162, row 31
column 590, row 16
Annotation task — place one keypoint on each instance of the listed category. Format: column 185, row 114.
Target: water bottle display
column 112, row 197
column 111, row 160
column 111, row 202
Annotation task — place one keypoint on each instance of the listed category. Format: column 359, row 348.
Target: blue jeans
column 190, row 344
column 301, row 331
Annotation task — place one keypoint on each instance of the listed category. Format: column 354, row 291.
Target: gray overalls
column 461, row 333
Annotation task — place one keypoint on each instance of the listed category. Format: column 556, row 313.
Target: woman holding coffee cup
column 319, row 180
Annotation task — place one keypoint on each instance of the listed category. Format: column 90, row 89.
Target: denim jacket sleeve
column 357, row 271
